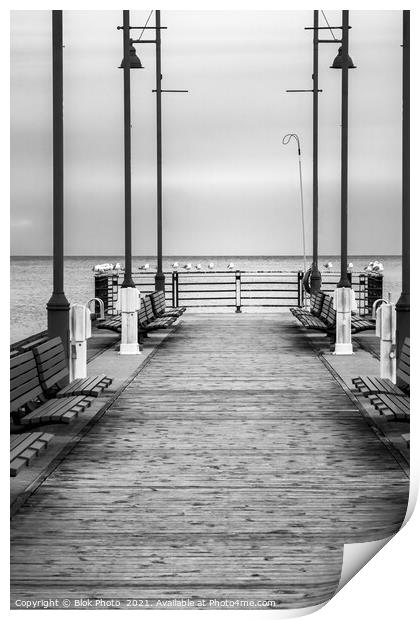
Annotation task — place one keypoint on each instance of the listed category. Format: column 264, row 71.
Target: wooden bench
column 161, row 322
column 147, row 321
column 53, row 372
column 389, row 399
column 326, row 319
column 316, row 307
column 360, row 324
column 25, row 447
column 392, row 406
column 28, row 404
column 112, row 323
column 159, row 306
column 374, row 385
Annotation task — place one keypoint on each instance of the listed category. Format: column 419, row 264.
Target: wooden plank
column 232, row 465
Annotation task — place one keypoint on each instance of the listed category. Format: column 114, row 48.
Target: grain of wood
column 233, row 466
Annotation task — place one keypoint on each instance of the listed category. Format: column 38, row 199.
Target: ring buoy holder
column 306, row 280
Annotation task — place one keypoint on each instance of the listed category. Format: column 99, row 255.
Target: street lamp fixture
column 134, row 61
column 339, row 61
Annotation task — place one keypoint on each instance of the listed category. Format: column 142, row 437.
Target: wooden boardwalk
column 233, row 466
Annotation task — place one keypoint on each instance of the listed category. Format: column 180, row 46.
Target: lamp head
column 339, row 61
column 133, row 60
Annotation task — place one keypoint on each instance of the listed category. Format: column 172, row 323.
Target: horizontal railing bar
column 208, row 291
column 267, row 297
column 201, row 298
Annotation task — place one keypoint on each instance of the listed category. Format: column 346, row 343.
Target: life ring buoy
column 306, row 281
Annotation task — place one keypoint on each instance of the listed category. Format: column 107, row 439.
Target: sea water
column 31, row 279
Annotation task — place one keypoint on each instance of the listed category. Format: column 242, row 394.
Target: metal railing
column 237, row 290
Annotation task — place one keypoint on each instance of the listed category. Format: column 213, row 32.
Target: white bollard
column 128, row 304
column 386, row 325
column 344, row 303
column 80, row 331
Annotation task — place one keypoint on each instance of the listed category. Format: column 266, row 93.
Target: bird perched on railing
column 230, row 266
column 103, row 267
column 145, row 266
column 374, row 266
column 328, row 265
column 175, row 265
column 211, row 265
column 198, row 266
column 188, row 266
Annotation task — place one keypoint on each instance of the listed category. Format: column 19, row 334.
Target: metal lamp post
column 58, row 305
column 403, row 304
column 315, row 273
column 344, row 299
column 286, row 140
column 315, row 281
column 160, row 276
column 129, row 299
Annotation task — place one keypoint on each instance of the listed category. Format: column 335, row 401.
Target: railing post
column 175, row 291
column 114, row 294
column 238, row 291
column 300, row 288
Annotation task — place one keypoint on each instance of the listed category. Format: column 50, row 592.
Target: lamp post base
column 160, row 282
column 58, row 314
column 344, row 301
column 129, row 304
column 343, row 348
column 129, row 349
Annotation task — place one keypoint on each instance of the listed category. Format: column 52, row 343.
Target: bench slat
column 25, row 447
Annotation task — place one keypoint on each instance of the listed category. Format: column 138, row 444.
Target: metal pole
column 315, row 273
column 160, row 276
column 129, row 298
column 301, row 208
column 344, row 298
column 238, row 301
column 403, row 304
column 128, row 280
column 344, row 282
column 286, row 140
column 58, row 306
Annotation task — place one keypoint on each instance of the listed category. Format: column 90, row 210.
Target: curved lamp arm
column 288, row 137
column 286, row 140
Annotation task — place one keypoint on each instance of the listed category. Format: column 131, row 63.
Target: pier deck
column 234, row 465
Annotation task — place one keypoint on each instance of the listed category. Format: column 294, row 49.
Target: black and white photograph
column 209, row 305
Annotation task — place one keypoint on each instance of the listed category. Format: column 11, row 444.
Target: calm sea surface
column 31, row 279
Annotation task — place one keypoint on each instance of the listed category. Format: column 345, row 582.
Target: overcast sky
column 230, row 186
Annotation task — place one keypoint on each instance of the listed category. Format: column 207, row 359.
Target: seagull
column 328, row 265
column 198, row 266
column 211, row 265
column 350, row 266
column 188, row 266
column 175, row 265
column 230, row 266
